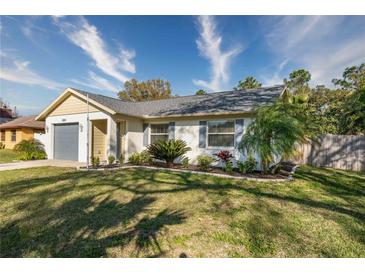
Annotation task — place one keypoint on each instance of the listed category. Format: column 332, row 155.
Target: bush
column 168, row 150
column 140, row 158
column 121, row 159
column 31, row 149
column 185, row 162
column 247, row 166
column 111, row 159
column 204, row 162
column 2, row 146
column 225, row 157
column 95, row 161
column 228, row 167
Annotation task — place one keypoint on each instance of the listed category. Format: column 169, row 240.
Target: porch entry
column 99, row 138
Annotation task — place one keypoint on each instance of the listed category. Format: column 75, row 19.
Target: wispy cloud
column 20, row 72
column 86, row 36
column 321, row 44
column 96, row 82
column 210, row 46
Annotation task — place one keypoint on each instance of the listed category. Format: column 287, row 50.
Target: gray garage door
column 66, row 142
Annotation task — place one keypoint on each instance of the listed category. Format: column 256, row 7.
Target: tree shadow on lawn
column 78, row 227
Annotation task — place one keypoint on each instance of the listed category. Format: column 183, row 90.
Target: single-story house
column 81, row 124
column 19, row 129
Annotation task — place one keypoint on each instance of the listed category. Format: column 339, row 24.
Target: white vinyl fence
column 336, row 151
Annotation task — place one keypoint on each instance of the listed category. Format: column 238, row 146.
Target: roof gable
column 64, row 96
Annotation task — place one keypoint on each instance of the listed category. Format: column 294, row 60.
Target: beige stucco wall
column 134, row 136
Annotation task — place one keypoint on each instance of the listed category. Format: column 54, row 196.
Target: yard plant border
column 289, row 178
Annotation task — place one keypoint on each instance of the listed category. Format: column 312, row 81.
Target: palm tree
column 276, row 132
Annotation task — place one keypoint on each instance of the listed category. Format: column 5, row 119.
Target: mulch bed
column 283, row 174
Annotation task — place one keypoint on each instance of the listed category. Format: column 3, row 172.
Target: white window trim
column 150, row 130
column 223, row 133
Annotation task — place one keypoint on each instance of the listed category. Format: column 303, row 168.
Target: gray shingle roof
column 211, row 103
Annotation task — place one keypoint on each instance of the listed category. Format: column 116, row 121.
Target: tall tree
column 353, row 78
column 145, row 91
column 200, row 92
column 248, row 83
column 299, row 81
column 326, row 106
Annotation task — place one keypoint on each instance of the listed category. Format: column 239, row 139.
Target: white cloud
column 321, row 44
column 20, row 72
column 88, row 38
column 210, row 47
column 96, row 82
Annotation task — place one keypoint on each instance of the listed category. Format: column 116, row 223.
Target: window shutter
column 171, row 130
column 145, row 134
column 238, row 131
column 202, row 134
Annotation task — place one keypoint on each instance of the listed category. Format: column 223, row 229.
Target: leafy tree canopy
column 299, row 81
column 145, row 91
column 353, row 78
column 248, row 83
column 200, row 92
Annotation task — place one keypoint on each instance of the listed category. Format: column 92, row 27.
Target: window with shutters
column 2, row 135
column 159, row 132
column 221, row 133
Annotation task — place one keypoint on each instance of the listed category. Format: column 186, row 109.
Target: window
column 3, row 136
column 220, row 133
column 13, row 135
column 159, row 132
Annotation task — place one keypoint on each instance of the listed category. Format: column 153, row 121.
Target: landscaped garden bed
column 170, row 154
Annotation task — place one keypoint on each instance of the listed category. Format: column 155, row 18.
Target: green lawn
column 8, row 155
column 58, row 212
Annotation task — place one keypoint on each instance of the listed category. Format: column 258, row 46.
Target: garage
column 66, row 141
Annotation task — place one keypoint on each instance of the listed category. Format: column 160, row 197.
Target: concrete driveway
column 40, row 163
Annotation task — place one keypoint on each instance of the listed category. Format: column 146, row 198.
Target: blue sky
column 42, row 55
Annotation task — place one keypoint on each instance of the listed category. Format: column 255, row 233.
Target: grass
column 58, row 212
column 8, row 155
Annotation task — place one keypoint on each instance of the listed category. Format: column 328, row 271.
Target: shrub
column 225, row 157
column 121, row 158
column 111, row 159
column 31, row 149
column 185, row 162
column 228, row 167
column 204, row 162
column 247, row 166
column 140, row 158
column 2, row 146
column 168, row 150
column 95, row 161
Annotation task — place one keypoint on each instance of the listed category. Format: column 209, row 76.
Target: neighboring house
column 208, row 123
column 22, row 128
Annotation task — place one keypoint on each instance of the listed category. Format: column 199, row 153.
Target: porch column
column 111, row 137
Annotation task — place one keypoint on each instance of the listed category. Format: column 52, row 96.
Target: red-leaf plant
column 224, row 155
